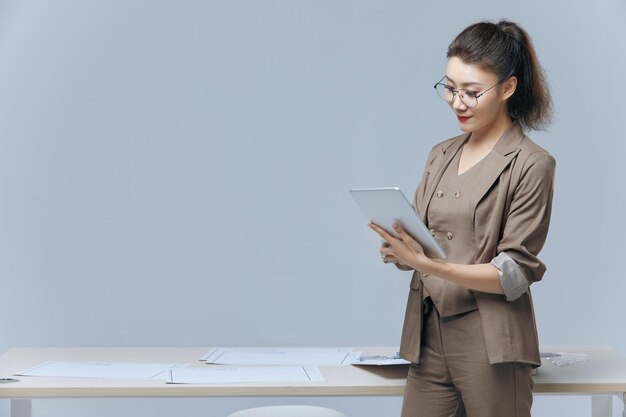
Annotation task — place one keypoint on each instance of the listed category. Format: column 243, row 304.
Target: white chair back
column 288, row 411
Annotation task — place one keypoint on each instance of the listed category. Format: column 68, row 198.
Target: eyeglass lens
column 447, row 94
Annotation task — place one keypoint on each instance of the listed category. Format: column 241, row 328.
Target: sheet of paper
column 564, row 359
column 281, row 356
column 244, row 375
column 121, row 370
column 380, row 360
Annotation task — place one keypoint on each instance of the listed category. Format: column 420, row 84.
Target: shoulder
column 441, row 148
column 535, row 158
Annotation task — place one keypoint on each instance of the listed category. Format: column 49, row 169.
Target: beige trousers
column 454, row 377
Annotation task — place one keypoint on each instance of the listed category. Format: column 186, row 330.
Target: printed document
column 281, row 356
column 244, row 375
column 121, row 370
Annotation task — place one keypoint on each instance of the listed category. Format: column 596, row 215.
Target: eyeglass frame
column 455, row 93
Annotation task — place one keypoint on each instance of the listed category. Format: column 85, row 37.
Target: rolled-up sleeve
column 526, row 225
column 512, row 278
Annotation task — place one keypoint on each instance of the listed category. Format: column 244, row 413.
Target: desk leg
column 21, row 408
column 601, row 406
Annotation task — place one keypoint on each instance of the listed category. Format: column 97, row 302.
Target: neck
column 487, row 136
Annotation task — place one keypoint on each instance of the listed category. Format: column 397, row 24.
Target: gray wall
column 174, row 173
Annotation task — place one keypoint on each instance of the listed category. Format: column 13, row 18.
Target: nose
column 457, row 104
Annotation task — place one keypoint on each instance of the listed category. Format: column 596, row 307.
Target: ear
column 508, row 88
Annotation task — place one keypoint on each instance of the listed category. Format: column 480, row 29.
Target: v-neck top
column 450, row 220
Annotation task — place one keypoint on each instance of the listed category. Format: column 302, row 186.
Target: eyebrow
column 465, row 84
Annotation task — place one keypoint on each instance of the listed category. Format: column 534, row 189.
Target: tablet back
column 386, row 206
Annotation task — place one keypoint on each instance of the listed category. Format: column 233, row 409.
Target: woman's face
column 491, row 105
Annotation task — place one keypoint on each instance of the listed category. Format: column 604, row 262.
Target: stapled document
column 381, row 360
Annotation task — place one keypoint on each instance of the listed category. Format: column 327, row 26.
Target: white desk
column 602, row 377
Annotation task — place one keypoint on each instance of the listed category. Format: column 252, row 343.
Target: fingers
column 406, row 237
column 387, row 237
column 408, row 240
column 388, row 255
column 401, row 232
column 382, row 233
column 386, row 249
column 388, row 259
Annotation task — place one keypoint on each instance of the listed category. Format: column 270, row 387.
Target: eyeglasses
column 469, row 98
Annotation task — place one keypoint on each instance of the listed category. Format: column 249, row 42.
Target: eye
column 450, row 89
column 471, row 94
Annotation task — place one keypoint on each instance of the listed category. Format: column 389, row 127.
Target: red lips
column 463, row 119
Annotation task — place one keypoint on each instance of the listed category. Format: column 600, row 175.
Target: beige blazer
column 512, row 206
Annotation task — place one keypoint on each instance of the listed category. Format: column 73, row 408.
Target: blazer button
column 449, row 235
column 457, row 194
column 433, row 232
column 440, row 193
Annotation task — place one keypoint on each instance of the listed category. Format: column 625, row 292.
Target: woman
column 486, row 196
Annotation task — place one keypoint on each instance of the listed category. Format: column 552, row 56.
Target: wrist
column 421, row 263
column 433, row 266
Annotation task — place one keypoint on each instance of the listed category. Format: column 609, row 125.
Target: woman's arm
column 479, row 277
column 405, row 250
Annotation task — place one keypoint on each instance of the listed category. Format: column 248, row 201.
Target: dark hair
column 505, row 49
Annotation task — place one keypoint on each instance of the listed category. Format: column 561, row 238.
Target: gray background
column 174, row 173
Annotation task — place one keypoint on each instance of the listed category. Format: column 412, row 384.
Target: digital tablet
column 386, row 206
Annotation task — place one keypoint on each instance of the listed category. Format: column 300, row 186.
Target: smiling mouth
column 464, row 118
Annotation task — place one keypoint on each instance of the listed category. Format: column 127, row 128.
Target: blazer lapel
column 501, row 156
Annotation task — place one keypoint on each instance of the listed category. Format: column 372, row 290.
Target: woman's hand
column 388, row 258
column 403, row 250
column 401, row 267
